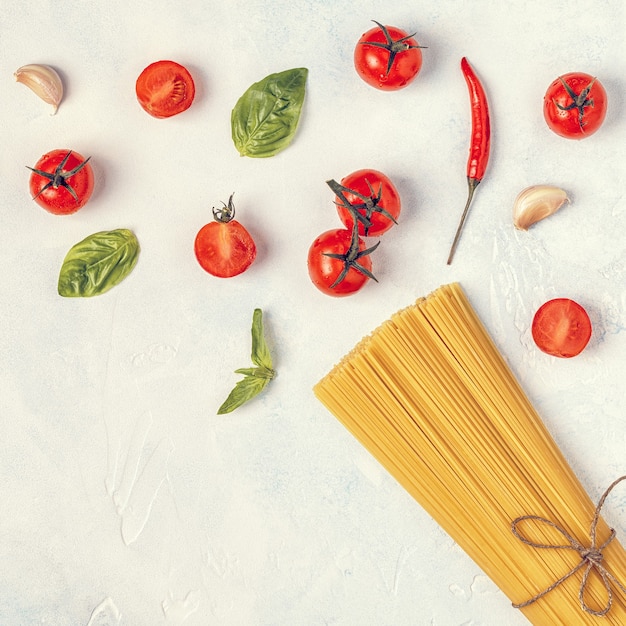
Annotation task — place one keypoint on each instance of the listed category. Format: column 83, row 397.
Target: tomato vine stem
column 393, row 46
column 225, row 213
column 351, row 257
column 362, row 211
column 59, row 178
column 579, row 101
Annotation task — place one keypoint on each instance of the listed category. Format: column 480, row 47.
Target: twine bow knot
column 591, row 558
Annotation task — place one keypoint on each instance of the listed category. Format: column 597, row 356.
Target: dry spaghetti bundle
column 429, row 395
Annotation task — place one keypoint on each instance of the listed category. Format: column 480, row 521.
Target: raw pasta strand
column 433, row 400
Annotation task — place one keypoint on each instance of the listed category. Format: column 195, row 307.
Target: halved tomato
column 165, row 88
column 224, row 247
column 561, row 327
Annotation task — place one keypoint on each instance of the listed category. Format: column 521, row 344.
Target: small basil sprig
column 266, row 116
column 98, row 263
column 255, row 378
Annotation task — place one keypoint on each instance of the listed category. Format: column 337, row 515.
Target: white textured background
column 125, row 499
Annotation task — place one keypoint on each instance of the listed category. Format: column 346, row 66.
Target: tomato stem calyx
column 393, row 46
column 225, row 213
column 351, row 257
column 579, row 101
column 59, row 177
column 362, row 211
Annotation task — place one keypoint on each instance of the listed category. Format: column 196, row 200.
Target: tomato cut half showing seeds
column 165, row 88
column 561, row 327
column 224, row 248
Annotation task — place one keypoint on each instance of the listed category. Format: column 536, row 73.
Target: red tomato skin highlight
column 566, row 123
column 165, row 88
column 561, row 327
column 371, row 62
column 59, row 201
column 390, row 200
column 324, row 270
column 224, row 249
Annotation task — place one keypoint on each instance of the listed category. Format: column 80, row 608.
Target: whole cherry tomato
column 223, row 247
column 561, row 327
column 339, row 263
column 387, row 57
column 61, row 182
column 374, row 198
column 165, row 88
column 575, row 105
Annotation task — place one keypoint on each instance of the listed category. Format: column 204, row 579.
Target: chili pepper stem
column 472, row 183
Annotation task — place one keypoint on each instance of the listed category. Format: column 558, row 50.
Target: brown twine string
column 590, row 558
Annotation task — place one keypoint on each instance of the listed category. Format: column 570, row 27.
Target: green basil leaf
column 98, row 263
column 260, row 352
column 265, row 118
column 255, row 378
column 243, row 391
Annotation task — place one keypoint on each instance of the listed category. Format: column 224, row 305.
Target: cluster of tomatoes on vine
column 368, row 204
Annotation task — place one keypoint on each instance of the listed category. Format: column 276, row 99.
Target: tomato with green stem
column 370, row 196
column 387, row 58
column 61, row 182
column 224, row 247
column 339, row 262
column 561, row 327
column 575, row 105
column 165, row 88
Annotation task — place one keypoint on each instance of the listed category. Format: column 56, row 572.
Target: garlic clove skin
column 44, row 81
column 536, row 203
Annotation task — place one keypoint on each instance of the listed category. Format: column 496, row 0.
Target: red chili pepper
column 479, row 145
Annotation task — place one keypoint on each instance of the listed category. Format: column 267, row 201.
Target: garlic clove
column 536, row 203
column 44, row 81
